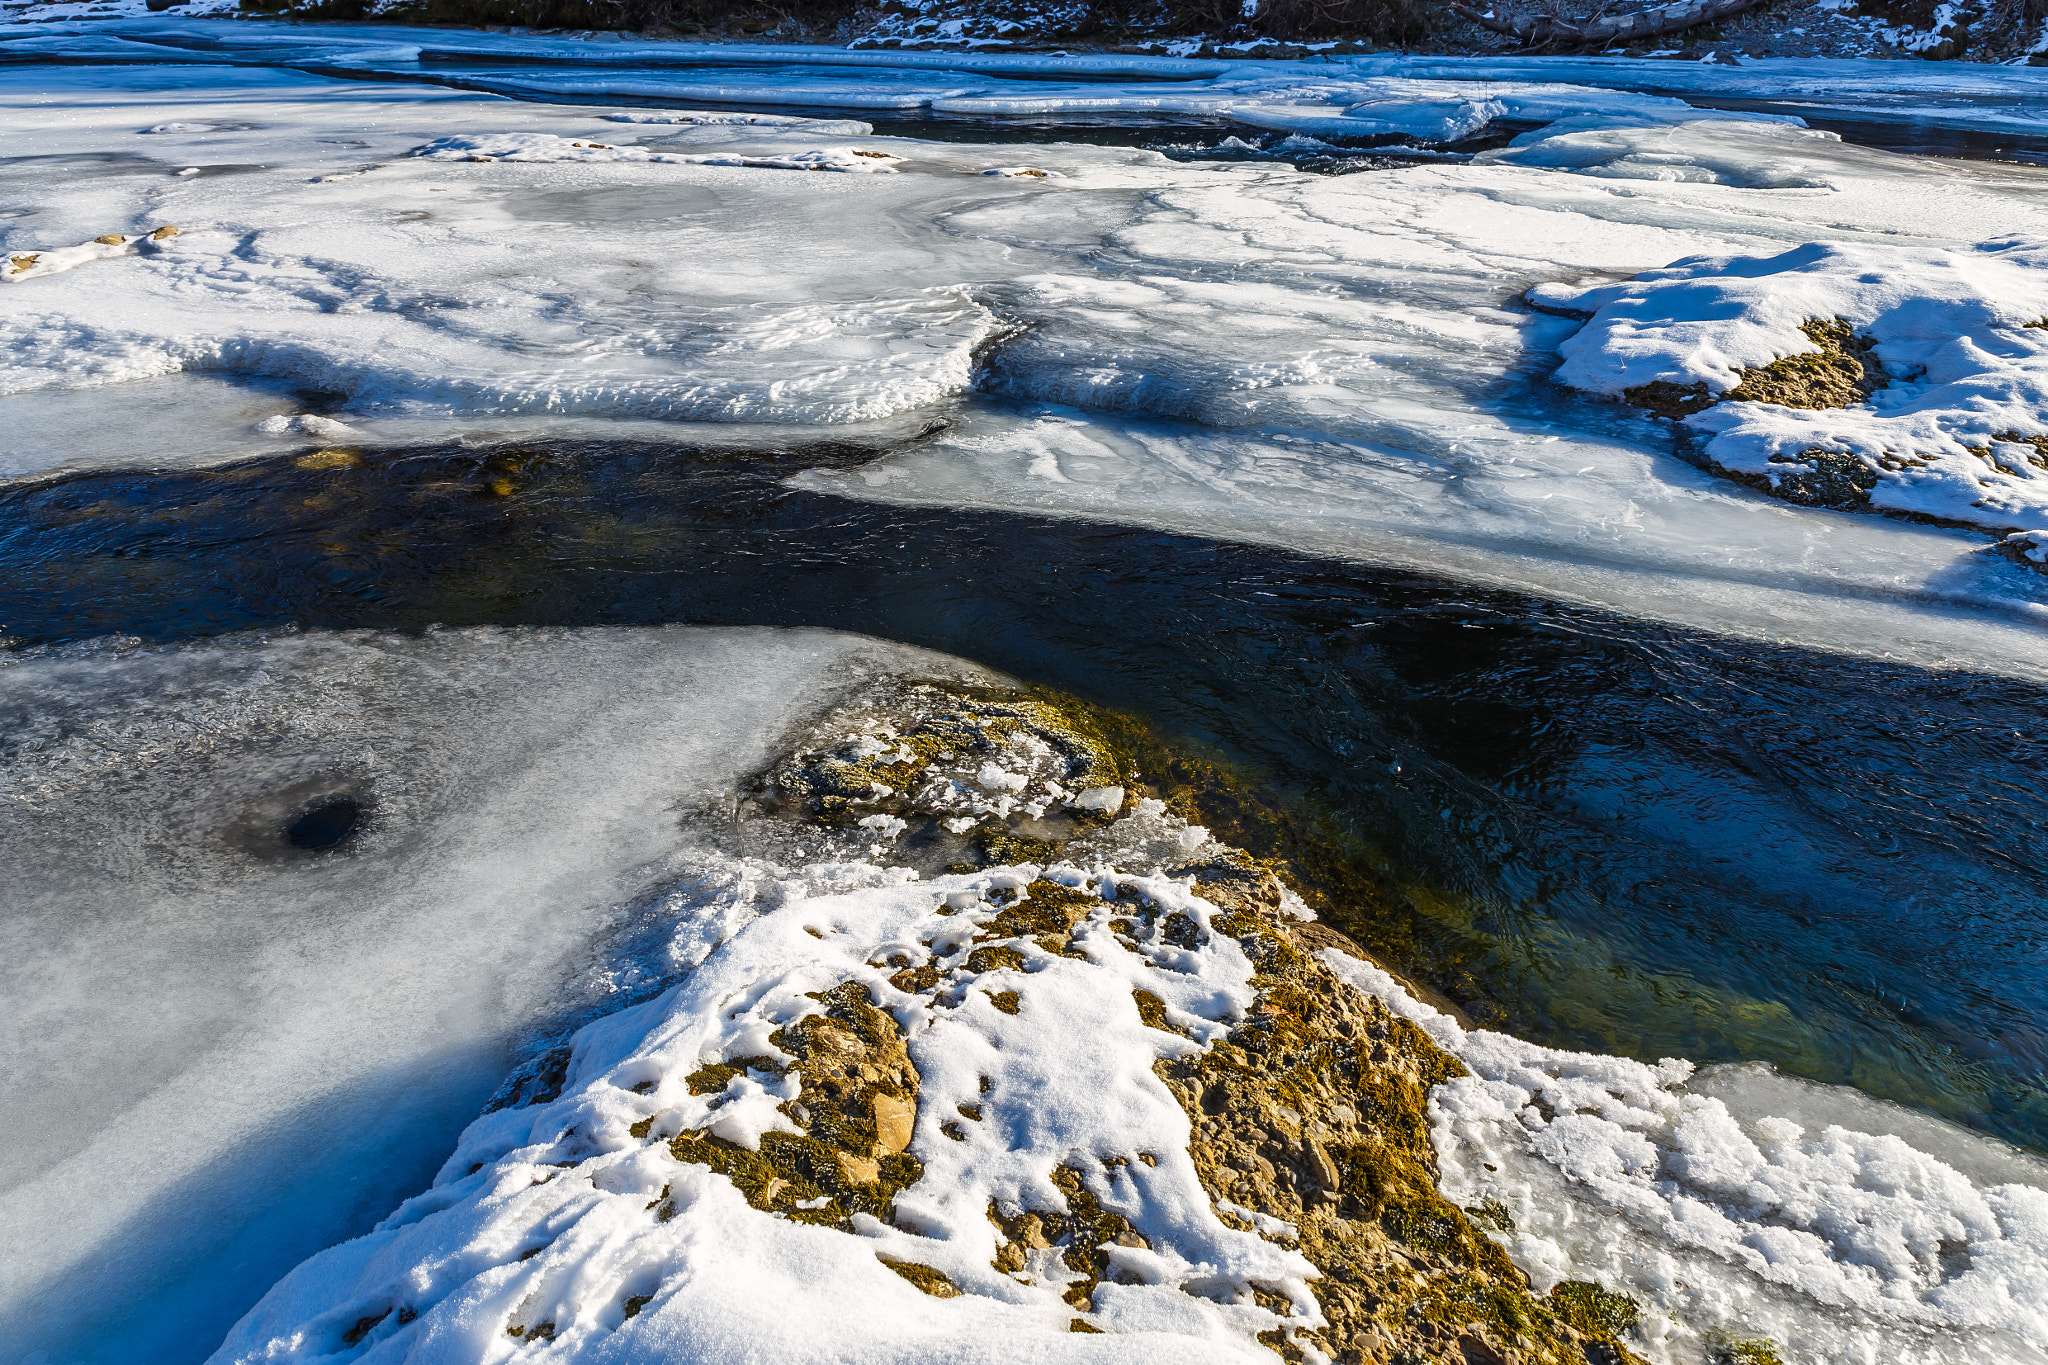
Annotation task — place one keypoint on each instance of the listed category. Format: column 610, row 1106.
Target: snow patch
column 1957, row 331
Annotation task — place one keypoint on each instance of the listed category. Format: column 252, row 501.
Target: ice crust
column 221, row 1053
column 1739, row 1203
column 1959, row 330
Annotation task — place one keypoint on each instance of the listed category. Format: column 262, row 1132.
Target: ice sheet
column 1333, row 363
column 222, row 1052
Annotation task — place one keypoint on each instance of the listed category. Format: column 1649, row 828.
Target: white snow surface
column 1739, row 1204
column 1963, row 331
column 1065, row 1080
column 1733, row 1204
column 1337, row 365
column 222, row 1054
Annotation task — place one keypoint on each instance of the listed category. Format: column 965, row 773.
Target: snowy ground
column 1740, row 1207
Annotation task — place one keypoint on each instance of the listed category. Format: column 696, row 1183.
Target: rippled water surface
column 1599, row 832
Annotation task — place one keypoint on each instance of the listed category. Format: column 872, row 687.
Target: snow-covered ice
column 222, row 1053
column 1736, row 1203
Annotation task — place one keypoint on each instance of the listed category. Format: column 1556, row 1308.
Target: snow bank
column 568, row 1212
column 1732, row 1221
column 1961, row 333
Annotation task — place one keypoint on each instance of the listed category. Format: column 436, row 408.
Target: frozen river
column 1208, row 390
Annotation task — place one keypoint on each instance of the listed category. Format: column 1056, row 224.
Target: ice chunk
column 997, row 779
column 306, row 424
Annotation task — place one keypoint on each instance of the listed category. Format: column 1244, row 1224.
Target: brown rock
column 1324, row 1169
column 858, row 1170
column 163, row 232
column 894, row 1120
column 111, row 239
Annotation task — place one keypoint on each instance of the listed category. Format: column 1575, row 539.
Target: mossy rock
column 1080, row 1232
column 856, row 1073
column 1315, row 1112
column 1597, row 1312
column 1723, row 1349
column 1839, row 372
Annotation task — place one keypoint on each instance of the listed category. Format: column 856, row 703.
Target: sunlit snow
column 1346, row 365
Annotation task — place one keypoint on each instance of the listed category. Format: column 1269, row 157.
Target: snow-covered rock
column 1960, row 335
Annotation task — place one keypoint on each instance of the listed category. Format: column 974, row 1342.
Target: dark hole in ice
column 327, row 825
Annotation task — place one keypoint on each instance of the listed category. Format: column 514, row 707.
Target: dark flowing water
column 1598, row 832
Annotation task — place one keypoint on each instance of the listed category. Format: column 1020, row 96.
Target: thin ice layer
column 1733, row 1221
column 224, row 1051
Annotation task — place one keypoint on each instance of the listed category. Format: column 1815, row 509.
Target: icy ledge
column 1084, row 1111
column 1932, row 402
